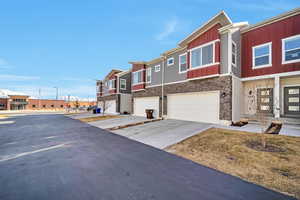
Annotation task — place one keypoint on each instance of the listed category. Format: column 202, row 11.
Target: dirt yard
column 98, row 118
column 240, row 154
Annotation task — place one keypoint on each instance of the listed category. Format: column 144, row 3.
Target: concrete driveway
column 123, row 120
column 163, row 133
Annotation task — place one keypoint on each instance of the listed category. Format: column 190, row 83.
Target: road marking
column 7, row 122
column 50, row 137
column 11, row 157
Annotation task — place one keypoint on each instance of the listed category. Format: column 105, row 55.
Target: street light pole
column 56, row 93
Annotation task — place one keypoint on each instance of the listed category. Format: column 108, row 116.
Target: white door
column 200, row 106
column 143, row 103
column 111, row 107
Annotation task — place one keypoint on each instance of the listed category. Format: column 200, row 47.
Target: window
column 148, row 75
column 44, row 106
column 157, row 68
column 52, row 106
column 182, row 63
column 170, row 61
column 233, row 54
column 61, row 106
column 111, row 84
column 123, row 84
column 202, row 56
column 262, row 55
column 291, row 49
column 137, row 77
column 33, row 106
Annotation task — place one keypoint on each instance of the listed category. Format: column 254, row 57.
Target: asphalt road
column 52, row 157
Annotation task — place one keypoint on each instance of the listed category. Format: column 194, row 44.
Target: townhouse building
column 114, row 92
column 224, row 71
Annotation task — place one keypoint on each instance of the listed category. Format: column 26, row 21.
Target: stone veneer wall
column 222, row 83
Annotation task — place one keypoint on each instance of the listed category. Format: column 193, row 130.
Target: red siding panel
column 207, row 71
column 138, row 87
column 270, row 33
column 210, row 35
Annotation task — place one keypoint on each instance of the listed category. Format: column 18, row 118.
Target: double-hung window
column 123, row 84
column 137, row 77
column 170, row 61
column 291, row 49
column 233, row 54
column 157, row 68
column 148, row 75
column 262, row 55
column 202, row 56
column 111, row 84
column 182, row 63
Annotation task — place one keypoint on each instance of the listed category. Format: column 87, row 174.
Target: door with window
column 265, row 100
column 292, row 101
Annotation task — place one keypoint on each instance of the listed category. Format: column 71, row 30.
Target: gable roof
column 113, row 71
column 221, row 18
column 282, row 16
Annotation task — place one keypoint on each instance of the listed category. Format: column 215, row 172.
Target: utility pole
column 56, row 93
column 39, row 98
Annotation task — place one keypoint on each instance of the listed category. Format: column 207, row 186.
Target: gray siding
column 172, row 72
column 236, row 37
column 224, row 53
column 127, row 77
column 155, row 76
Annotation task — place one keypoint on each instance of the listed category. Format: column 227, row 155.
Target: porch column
column 277, row 96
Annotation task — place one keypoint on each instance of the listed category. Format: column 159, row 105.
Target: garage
column 143, row 103
column 200, row 106
column 111, row 107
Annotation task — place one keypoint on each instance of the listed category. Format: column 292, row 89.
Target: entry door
column 292, row 101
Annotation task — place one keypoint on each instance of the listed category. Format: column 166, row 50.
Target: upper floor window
column 111, row 84
column 123, row 84
column 202, row 56
column 137, row 77
column 262, row 55
column 233, row 54
column 170, row 61
column 291, row 49
column 148, row 75
column 157, row 68
column 182, row 63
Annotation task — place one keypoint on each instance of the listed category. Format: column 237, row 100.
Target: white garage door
column 100, row 105
column 200, row 107
column 140, row 104
column 111, row 107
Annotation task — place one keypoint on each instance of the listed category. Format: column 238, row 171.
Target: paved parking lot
column 163, row 133
column 54, row 157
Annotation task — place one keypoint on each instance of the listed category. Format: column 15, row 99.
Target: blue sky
column 68, row 44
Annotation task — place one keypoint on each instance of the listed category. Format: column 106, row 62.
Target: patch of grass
column 239, row 154
column 98, row 118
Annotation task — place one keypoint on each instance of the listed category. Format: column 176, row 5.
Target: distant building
column 10, row 100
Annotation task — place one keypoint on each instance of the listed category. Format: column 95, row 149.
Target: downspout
column 162, row 87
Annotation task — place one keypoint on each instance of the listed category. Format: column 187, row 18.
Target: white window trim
column 270, row 56
column 181, row 72
column 141, row 70
column 155, row 68
column 201, row 46
column 121, row 79
column 149, row 69
column 109, row 86
column 235, row 53
column 283, row 50
column 171, row 58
